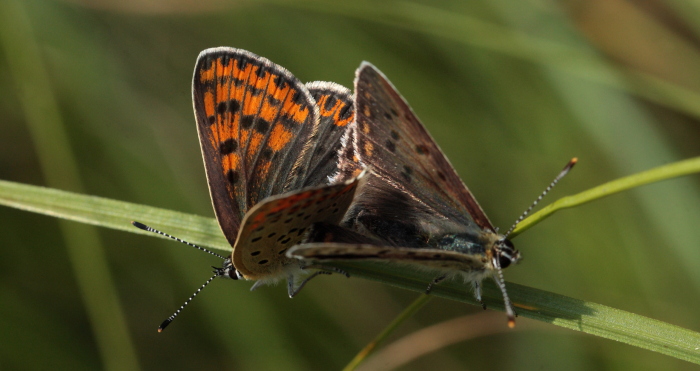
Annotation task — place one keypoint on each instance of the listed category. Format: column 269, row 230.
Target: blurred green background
column 96, row 99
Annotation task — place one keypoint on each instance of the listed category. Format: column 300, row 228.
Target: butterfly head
column 228, row 270
column 505, row 253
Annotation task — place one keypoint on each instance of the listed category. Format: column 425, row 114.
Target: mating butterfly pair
column 300, row 174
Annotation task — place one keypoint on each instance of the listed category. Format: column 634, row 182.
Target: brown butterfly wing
column 413, row 180
column 433, row 258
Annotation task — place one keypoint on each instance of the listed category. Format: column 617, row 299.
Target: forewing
column 254, row 120
column 335, row 114
column 389, row 139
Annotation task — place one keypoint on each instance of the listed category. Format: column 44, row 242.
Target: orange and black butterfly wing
column 255, row 120
column 335, row 114
column 281, row 221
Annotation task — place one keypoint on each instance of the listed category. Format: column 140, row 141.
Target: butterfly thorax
column 461, row 242
column 484, row 245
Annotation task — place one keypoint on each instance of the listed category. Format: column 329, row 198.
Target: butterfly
column 414, row 208
column 270, row 146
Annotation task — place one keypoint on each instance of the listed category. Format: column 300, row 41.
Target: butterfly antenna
column 149, row 229
column 500, row 281
column 217, row 273
column 556, row 180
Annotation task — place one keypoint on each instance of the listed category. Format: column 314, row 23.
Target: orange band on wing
column 334, row 111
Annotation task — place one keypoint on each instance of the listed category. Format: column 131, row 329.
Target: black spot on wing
column 390, row 145
column 273, row 101
column 254, row 91
column 287, row 122
column 261, row 125
column 247, row 121
column 298, row 98
column 230, row 106
column 228, row 146
column 226, row 59
column 280, row 82
column 422, row 149
column 242, row 62
column 266, row 154
column 232, row 176
column 260, row 71
column 237, row 82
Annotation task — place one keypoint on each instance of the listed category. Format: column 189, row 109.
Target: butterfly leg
column 477, row 293
column 329, row 269
column 292, row 291
column 434, row 282
column 257, row 285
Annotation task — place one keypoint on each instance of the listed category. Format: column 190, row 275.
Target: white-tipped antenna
column 149, row 229
column 218, row 272
column 556, row 180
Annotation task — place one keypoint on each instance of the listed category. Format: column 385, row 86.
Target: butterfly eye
column 507, row 254
column 228, row 270
column 504, row 260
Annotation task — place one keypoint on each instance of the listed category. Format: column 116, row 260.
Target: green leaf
column 560, row 310
column 575, row 314
column 676, row 169
column 112, row 214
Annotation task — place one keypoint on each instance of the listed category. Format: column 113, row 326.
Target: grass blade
column 665, row 172
column 575, row 314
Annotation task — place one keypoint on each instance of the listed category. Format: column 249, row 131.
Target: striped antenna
column 218, row 272
column 149, row 229
column 556, row 180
